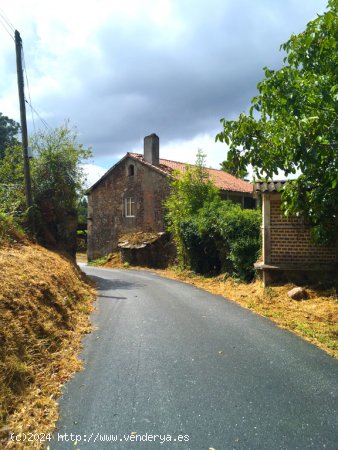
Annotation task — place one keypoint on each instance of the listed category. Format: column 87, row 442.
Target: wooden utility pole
column 23, row 120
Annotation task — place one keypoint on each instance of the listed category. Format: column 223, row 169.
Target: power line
column 6, row 19
column 5, row 27
column 29, row 101
column 9, row 27
column 42, row 120
column 29, row 95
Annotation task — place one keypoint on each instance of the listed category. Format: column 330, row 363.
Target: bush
column 222, row 237
column 241, row 235
column 190, row 190
column 200, row 248
column 211, row 235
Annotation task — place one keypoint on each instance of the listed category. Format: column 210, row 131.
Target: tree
column 292, row 125
column 233, row 167
column 82, row 210
column 8, row 132
column 58, row 184
column 189, row 191
column 12, row 189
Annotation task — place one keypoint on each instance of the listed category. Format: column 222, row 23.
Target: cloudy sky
column 120, row 70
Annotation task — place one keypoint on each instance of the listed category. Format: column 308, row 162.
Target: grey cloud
column 177, row 88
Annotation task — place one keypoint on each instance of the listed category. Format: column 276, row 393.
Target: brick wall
column 107, row 220
column 290, row 240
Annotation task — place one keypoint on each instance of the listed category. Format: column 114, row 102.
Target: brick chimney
column 152, row 149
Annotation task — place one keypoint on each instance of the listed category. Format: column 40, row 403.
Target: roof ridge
column 180, row 162
column 223, row 180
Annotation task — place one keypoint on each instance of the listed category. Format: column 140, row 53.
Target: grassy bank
column 44, row 307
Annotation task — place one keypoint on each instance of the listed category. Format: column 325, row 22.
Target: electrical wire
column 6, row 19
column 9, row 28
column 5, row 27
column 45, row 124
column 29, row 95
column 29, row 101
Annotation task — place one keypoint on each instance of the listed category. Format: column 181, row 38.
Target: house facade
column 129, row 197
column 288, row 251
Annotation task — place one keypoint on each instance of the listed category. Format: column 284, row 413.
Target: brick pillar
column 266, row 230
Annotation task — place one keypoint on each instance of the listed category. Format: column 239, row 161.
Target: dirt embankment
column 44, row 307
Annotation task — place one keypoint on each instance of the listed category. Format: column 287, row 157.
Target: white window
column 129, row 207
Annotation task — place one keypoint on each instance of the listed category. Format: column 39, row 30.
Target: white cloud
column 93, row 173
column 186, row 150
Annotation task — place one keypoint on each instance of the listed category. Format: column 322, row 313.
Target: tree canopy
column 292, row 125
column 57, row 184
column 211, row 235
column 8, row 132
column 189, row 191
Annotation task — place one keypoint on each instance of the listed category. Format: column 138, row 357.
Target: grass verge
column 314, row 319
column 45, row 303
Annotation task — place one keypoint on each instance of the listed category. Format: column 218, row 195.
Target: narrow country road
column 171, row 362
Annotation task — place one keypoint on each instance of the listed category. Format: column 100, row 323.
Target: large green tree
column 292, row 125
column 58, row 184
column 190, row 190
column 8, row 133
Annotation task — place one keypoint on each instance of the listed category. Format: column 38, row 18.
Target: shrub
column 200, row 247
column 190, row 190
column 240, row 233
column 211, row 235
column 222, row 237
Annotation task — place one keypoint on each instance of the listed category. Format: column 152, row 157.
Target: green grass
column 99, row 261
column 316, row 334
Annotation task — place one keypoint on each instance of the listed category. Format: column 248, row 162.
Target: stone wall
column 106, row 205
column 158, row 252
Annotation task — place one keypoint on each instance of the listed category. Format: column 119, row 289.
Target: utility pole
column 28, row 184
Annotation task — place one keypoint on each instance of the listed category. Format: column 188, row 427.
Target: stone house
column 288, row 252
column 129, row 197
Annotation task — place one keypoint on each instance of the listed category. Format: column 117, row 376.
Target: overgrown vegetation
column 223, row 238
column 57, row 185
column 292, row 126
column 10, row 232
column 44, row 299
column 211, row 235
column 8, row 133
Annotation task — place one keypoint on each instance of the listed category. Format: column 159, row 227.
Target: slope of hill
column 45, row 303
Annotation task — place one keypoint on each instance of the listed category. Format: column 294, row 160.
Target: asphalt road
column 170, row 361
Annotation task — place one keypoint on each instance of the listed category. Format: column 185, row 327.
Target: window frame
column 129, row 207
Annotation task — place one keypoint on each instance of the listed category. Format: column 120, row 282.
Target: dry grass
column 44, row 308
column 315, row 319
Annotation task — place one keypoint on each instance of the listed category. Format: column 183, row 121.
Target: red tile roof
column 222, row 180
column 269, row 186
